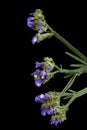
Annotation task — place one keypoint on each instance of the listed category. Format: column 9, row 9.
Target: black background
column 69, row 20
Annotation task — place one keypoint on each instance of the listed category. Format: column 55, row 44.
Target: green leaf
column 75, row 57
column 41, row 37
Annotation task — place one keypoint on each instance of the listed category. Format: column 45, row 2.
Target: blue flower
column 38, row 82
column 39, row 77
column 55, row 121
column 36, row 72
column 41, row 98
column 43, row 74
column 34, row 39
column 36, row 21
column 43, row 69
column 37, row 64
column 48, row 67
column 59, row 116
column 40, row 28
column 30, row 22
column 45, row 111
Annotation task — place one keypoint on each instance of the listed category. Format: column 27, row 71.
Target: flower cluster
column 43, row 71
column 51, row 106
column 51, row 101
column 59, row 117
column 36, row 21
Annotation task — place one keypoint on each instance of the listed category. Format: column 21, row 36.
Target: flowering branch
column 51, row 103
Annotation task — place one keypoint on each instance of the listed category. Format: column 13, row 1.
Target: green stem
column 82, row 69
column 78, row 94
column 69, row 84
column 68, row 44
column 66, row 71
column 76, row 58
column 81, row 92
column 70, row 101
column 55, row 72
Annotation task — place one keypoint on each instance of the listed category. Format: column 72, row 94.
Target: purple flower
column 45, row 111
column 50, row 111
column 40, row 30
column 34, row 39
column 36, row 21
column 56, row 122
column 30, row 22
column 38, row 82
column 41, row 98
column 37, row 64
column 46, row 77
column 37, row 71
column 48, row 67
column 42, row 74
column 30, row 19
column 46, row 96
